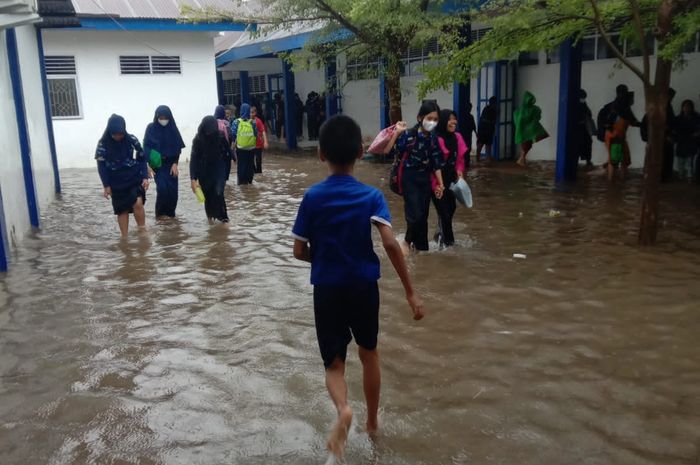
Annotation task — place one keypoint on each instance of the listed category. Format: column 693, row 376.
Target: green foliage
column 533, row 25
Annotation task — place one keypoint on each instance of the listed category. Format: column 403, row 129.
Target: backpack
column 246, row 138
column 396, row 171
column 224, row 128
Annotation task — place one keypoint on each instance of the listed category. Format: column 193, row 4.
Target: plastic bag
column 462, row 192
column 155, row 159
column 380, row 142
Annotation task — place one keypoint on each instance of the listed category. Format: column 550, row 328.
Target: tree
column 533, row 25
column 368, row 29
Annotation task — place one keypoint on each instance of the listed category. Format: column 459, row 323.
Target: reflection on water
column 195, row 344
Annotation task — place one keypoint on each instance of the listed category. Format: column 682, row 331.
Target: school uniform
column 453, row 162
column 167, row 141
column 121, row 166
column 259, row 145
column 424, row 158
column 245, row 134
column 209, row 162
column 336, row 218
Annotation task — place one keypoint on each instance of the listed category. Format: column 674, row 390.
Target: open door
column 498, row 79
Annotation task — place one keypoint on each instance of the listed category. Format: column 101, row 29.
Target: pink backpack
column 224, row 127
column 379, row 143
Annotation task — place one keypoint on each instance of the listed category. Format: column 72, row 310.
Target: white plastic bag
column 462, row 192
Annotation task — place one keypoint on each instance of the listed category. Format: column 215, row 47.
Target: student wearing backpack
column 420, row 156
column 261, row 143
column 245, row 136
column 225, row 130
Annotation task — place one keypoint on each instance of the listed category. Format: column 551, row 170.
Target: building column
column 47, row 110
column 220, row 88
column 461, row 92
column 22, row 131
column 331, row 88
column 4, row 243
column 384, row 105
column 245, row 87
column 290, row 130
column 569, row 86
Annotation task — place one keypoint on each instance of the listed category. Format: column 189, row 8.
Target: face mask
column 163, row 122
column 429, row 125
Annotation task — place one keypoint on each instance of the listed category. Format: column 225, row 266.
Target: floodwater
column 195, row 344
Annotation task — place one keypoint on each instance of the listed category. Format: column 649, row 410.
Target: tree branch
column 620, row 56
column 342, row 20
column 642, row 38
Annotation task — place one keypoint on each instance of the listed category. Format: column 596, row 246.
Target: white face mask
column 429, row 125
column 163, row 122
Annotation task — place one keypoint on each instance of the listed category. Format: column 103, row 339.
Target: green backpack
column 616, row 153
column 245, row 136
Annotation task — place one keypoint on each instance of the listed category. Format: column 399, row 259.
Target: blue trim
column 47, row 110
column 264, row 48
column 569, row 86
column 4, row 243
column 290, row 130
column 139, row 24
column 22, row 132
column 384, row 105
column 496, row 149
column 245, row 87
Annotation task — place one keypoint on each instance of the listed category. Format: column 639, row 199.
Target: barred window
column 63, row 94
column 257, row 84
column 232, row 89
column 362, row 68
column 144, row 64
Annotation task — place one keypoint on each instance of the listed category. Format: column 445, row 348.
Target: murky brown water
column 195, row 344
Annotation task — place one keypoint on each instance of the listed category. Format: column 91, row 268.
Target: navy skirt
column 123, row 200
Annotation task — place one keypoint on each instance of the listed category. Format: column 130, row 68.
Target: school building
column 249, row 66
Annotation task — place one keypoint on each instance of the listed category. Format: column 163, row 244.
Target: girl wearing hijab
column 528, row 129
column 225, row 129
column 210, row 157
column 124, row 173
column 163, row 136
column 245, row 136
column 420, row 153
column 454, row 150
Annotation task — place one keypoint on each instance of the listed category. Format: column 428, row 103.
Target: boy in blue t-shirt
column 333, row 231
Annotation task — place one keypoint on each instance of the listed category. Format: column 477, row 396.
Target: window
column 62, row 84
column 232, row 89
column 360, row 69
column 604, row 51
column 416, row 57
column 257, row 84
column 165, row 65
column 529, row 58
column 633, row 50
column 553, row 56
column 588, row 48
column 479, row 33
column 143, row 64
column 691, row 46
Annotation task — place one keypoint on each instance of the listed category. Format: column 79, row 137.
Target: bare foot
column 521, row 161
column 339, row 435
column 372, row 428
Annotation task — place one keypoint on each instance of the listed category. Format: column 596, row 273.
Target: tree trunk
column 393, row 87
column 656, row 99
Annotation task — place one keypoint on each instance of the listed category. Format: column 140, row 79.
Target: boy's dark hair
column 340, row 140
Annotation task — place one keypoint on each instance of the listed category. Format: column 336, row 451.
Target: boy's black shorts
column 338, row 310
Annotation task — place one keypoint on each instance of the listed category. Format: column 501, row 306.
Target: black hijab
column 114, row 150
column 165, row 139
column 208, row 138
column 450, row 138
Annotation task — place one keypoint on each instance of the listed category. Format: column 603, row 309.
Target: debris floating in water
column 520, row 256
column 554, row 213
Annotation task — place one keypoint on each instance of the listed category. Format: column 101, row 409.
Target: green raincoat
column 527, row 121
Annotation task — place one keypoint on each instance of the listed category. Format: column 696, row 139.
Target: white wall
column 599, row 79
column 191, row 95
column 11, row 174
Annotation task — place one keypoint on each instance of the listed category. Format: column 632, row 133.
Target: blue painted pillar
column 497, row 76
column 461, row 92
column 331, row 88
column 245, row 87
column 22, row 131
column 47, row 110
column 384, row 106
column 290, row 130
column 4, row 243
column 569, row 86
column 220, row 88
